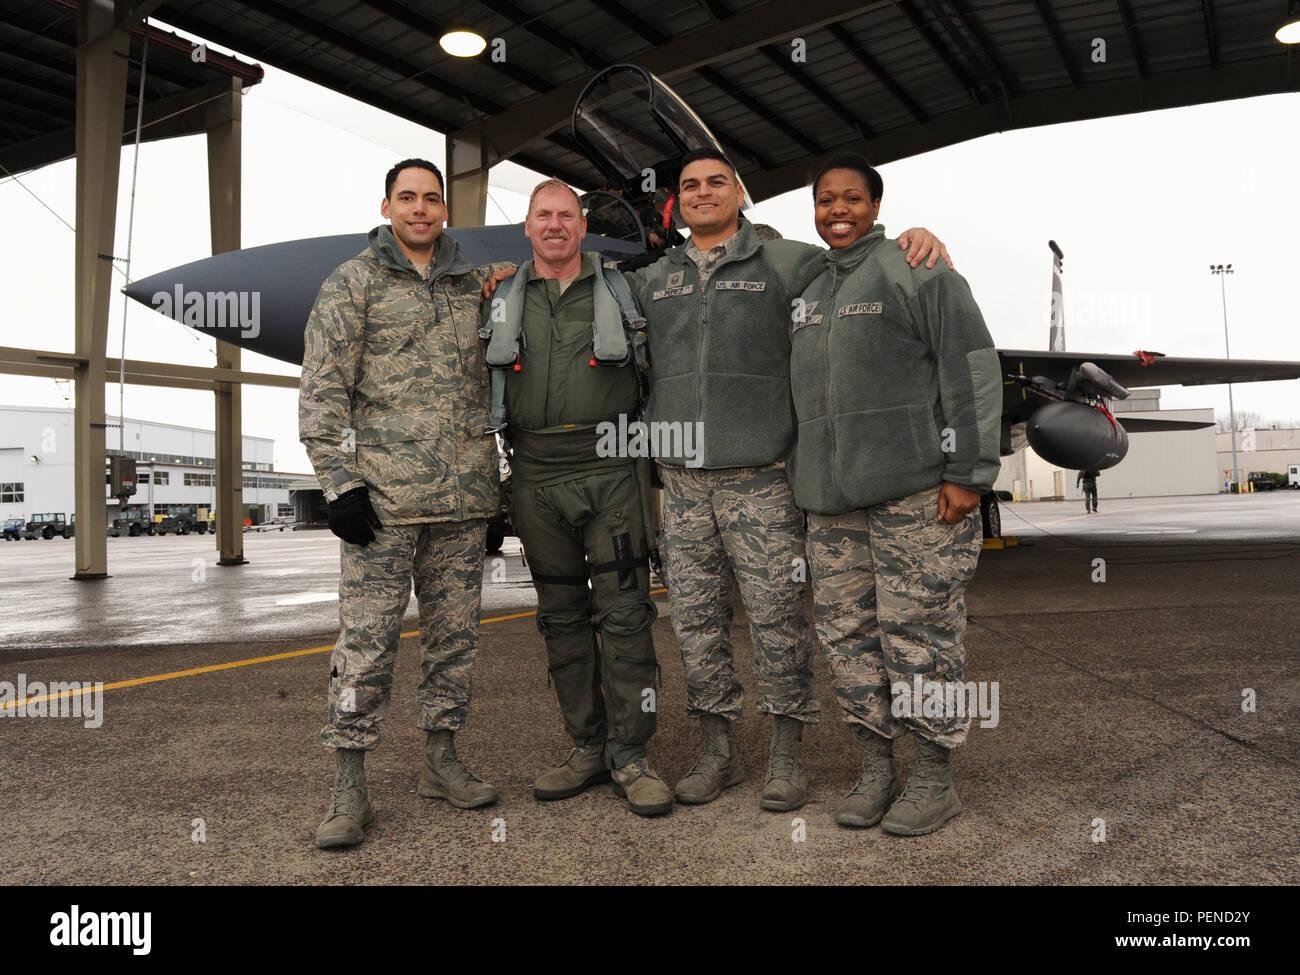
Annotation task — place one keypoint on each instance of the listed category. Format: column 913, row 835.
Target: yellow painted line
column 231, row 665
column 1117, row 511
column 1002, row 541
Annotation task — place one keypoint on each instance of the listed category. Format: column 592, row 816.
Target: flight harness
column 610, row 346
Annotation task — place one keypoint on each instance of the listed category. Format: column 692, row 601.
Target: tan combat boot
column 866, row 804
column 717, row 769
column 647, row 794
column 445, row 776
column 584, row 767
column 787, row 786
column 929, row 800
column 350, row 810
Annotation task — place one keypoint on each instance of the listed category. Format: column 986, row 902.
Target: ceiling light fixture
column 461, row 42
column 1289, row 32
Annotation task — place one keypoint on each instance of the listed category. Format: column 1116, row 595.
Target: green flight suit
column 579, row 516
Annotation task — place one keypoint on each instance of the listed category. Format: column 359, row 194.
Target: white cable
column 130, row 231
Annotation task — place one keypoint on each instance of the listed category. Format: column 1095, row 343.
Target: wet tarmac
column 1146, row 730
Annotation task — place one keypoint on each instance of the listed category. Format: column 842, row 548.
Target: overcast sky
column 1141, row 205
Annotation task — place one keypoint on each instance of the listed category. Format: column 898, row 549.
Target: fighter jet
column 259, row 298
column 633, row 128
column 1058, row 401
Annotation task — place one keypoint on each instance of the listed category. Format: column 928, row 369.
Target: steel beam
column 223, row 200
column 140, row 372
column 102, row 54
column 1177, row 89
column 511, row 131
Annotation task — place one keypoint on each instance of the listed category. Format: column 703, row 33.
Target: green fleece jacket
column 721, row 352
column 895, row 378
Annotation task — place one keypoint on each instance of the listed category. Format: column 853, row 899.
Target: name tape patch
column 673, row 292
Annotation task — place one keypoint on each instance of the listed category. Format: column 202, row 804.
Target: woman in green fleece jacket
column 897, row 396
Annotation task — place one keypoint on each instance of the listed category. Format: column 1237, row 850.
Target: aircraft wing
column 1134, row 371
column 1139, row 424
column 285, row 279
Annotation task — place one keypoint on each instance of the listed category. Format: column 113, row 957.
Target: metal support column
column 223, row 202
column 102, row 53
column 468, row 162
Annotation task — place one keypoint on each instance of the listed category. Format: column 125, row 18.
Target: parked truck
column 183, row 522
column 47, row 524
column 13, row 529
column 1264, row 481
column 132, row 524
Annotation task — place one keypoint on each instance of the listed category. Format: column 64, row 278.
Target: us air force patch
column 862, row 308
column 740, row 286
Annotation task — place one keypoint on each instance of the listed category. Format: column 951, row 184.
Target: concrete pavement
column 1120, row 709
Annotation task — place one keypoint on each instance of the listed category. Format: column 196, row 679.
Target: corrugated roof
column 886, row 78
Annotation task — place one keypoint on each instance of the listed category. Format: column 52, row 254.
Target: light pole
column 1221, row 270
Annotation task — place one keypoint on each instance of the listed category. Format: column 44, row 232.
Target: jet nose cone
column 258, row 298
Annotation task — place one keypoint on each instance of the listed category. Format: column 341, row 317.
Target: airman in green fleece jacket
column 718, row 319
column 897, row 396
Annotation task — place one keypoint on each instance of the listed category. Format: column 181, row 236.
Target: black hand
column 352, row 518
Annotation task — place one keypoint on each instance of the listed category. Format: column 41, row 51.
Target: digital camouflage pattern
column 394, row 391
column 446, row 559
column 738, row 525
column 889, row 584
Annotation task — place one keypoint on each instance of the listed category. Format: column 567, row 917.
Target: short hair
column 553, row 184
column 704, row 152
column 391, row 178
column 851, row 160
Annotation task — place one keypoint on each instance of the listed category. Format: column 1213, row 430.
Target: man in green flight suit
column 580, row 509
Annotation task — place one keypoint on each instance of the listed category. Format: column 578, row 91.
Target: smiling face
column 844, row 210
column 710, row 198
column 417, row 212
column 556, row 226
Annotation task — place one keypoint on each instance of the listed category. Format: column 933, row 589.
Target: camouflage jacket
column 394, row 391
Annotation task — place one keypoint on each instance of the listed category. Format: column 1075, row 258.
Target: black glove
column 352, row 518
column 638, row 261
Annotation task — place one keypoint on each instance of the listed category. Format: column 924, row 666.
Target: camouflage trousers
column 889, row 587
column 738, row 525
column 600, row 651
column 446, row 561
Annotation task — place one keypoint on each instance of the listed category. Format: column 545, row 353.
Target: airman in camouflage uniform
column 718, row 318
column 716, row 312
column 898, row 393
column 393, row 405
